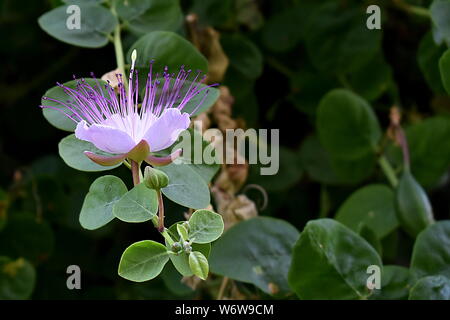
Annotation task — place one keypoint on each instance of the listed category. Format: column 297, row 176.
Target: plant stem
column 164, row 232
column 166, row 236
column 160, row 212
column 388, row 170
column 118, row 46
column 281, row 68
column 416, row 10
column 136, row 172
column 222, row 288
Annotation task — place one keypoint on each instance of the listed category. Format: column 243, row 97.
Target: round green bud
column 155, row 179
column 187, row 247
column 177, row 247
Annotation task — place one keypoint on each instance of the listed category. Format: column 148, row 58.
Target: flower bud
column 177, row 247
column 155, row 179
column 187, row 247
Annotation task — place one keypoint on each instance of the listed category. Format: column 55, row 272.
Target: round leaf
column 167, row 49
column 71, row 151
column 347, row 125
column 429, row 145
column 431, row 253
column 431, row 288
column 143, row 260
column 17, row 279
column 330, row 255
column 140, row 204
column 96, row 22
column 144, row 16
column 205, row 226
column 428, row 58
column 282, row 31
column 337, row 39
column 373, row 206
column 186, row 187
column 98, row 205
column 244, row 55
column 25, row 237
column 395, row 284
column 256, row 251
column 317, row 162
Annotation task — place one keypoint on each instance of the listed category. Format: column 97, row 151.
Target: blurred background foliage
column 284, row 56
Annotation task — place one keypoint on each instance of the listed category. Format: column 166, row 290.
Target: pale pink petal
column 165, row 130
column 105, row 138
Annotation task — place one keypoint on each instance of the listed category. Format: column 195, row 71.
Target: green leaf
column 199, row 264
column 182, row 232
column 431, row 253
column 370, row 236
column 57, row 118
column 181, row 260
column 431, row 288
column 17, row 279
column 413, row 206
column 190, row 141
column 212, row 94
column 205, row 226
column 206, row 98
column 440, row 11
column 143, row 260
column 330, row 255
column 353, row 171
column 142, row 16
column 25, row 237
column 347, row 125
column 373, row 206
column 395, row 284
column 444, row 66
column 96, row 23
column 186, row 187
column 337, row 39
column 429, row 145
column 308, row 87
column 71, row 151
column 317, row 162
column 98, row 205
column 140, row 204
column 289, row 174
column 282, row 31
column 428, row 58
column 380, row 79
column 244, row 55
column 168, row 49
column 214, row 12
column 256, row 251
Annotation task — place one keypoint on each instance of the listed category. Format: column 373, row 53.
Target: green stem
column 416, row 10
column 161, row 227
column 388, row 170
column 117, row 40
column 167, row 236
column 281, row 68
